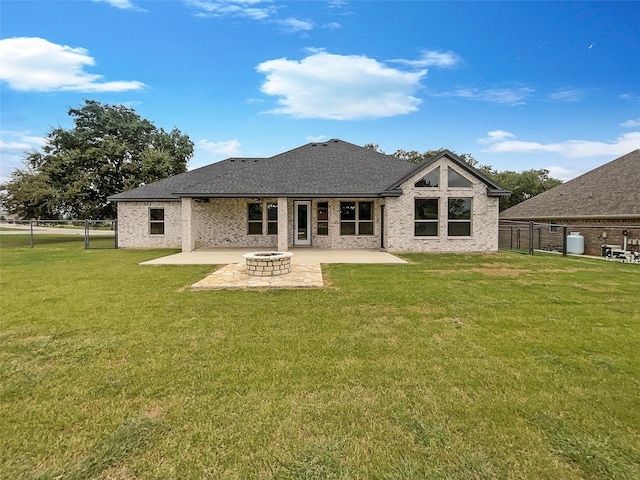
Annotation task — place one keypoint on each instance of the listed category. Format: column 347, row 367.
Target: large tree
column 110, row 149
column 522, row 185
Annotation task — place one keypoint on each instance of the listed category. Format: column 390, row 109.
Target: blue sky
column 518, row 85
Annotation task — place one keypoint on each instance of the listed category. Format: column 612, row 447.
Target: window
column 553, row 226
column 459, row 224
column 356, row 218
column 457, row 181
column 272, row 218
column 156, row 221
column 431, row 179
column 323, row 218
column 256, row 220
column 426, row 217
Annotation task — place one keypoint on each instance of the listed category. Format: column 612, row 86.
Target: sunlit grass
column 453, row 366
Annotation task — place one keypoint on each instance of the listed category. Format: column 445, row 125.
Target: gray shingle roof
column 612, row 190
column 329, row 169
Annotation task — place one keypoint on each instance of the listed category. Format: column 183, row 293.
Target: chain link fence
column 611, row 241
column 91, row 234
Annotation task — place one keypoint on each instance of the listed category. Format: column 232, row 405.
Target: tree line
column 110, row 149
column 522, row 185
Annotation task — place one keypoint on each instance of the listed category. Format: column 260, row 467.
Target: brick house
column 325, row 195
column 601, row 205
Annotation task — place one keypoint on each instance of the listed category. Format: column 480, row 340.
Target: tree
column 522, row 185
column 110, row 149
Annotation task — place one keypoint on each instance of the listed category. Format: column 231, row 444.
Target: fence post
column 115, row 233
column 86, row 234
column 531, row 238
column 564, row 241
column 31, row 236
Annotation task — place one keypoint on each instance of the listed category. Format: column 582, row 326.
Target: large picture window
column 426, row 217
column 256, row 218
column 356, row 218
column 156, row 221
column 459, row 224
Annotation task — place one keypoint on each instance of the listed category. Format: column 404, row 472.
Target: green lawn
column 452, row 367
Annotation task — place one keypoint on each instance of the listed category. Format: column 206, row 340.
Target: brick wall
column 223, row 222
column 133, row 225
column 401, row 216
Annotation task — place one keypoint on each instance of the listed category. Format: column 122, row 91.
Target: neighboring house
column 326, row 195
column 607, row 196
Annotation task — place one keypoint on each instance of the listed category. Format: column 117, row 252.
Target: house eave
column 145, row 199
column 572, row 217
column 497, row 193
column 288, row 195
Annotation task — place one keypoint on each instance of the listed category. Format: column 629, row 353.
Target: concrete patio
column 301, row 256
column 306, row 270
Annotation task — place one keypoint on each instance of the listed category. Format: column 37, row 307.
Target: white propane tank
column 575, row 243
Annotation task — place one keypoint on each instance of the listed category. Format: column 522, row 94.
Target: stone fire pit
column 268, row 264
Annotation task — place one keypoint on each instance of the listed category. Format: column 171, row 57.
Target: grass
column 452, row 367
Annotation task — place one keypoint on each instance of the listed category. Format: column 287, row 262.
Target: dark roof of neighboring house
column 329, row 169
column 612, row 190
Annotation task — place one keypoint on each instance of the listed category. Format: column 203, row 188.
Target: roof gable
column 493, row 188
column 611, row 190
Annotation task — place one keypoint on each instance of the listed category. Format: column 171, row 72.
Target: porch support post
column 283, row 225
column 188, row 226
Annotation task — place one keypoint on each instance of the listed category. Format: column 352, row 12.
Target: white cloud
column 505, row 142
column 503, row 96
column 332, row 26
column 121, row 4
column 569, row 95
column 292, row 25
column 319, row 138
column 229, row 148
column 13, row 146
column 561, row 173
column 432, row 58
column 35, row 64
column 631, row 123
column 339, row 87
column 496, row 136
column 253, row 9
column 257, row 10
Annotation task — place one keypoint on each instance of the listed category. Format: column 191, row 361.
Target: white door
column 302, row 223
